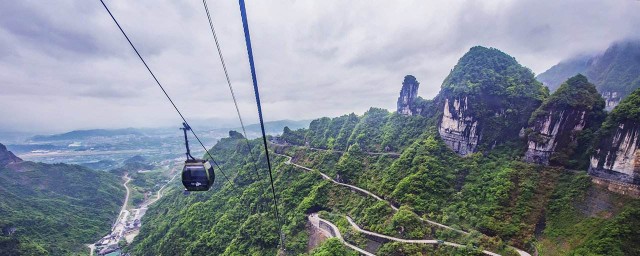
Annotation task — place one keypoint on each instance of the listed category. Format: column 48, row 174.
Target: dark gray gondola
column 197, row 174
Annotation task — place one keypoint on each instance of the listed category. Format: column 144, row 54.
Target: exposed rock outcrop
column 486, row 100
column 617, row 156
column 6, row 157
column 408, row 95
column 555, row 127
column 612, row 99
column 458, row 129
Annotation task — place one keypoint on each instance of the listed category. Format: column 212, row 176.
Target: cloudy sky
column 64, row 65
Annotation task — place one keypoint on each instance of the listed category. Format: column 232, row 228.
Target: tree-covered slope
column 491, row 72
column 375, row 130
column 618, row 69
column 485, row 100
column 559, row 73
column 615, row 72
column 497, row 198
column 53, row 209
column 501, row 198
column 497, row 194
column 617, row 144
column 562, row 129
column 238, row 219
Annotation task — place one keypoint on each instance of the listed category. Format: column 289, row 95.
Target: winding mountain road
column 355, row 226
column 339, row 151
column 324, row 176
column 123, row 211
column 160, row 191
column 333, row 231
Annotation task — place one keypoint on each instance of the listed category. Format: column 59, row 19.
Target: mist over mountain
column 83, row 134
column 615, row 71
column 395, row 128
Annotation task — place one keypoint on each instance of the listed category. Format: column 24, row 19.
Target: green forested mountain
column 505, row 199
column 499, row 200
column 615, row 72
column 617, row 143
column 561, row 131
column 490, row 96
column 54, row 209
column 557, row 74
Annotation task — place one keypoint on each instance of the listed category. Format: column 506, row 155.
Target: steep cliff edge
column 486, row 99
column 617, row 155
column 559, row 131
column 615, row 72
column 459, row 129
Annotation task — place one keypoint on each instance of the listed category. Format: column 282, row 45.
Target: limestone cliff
column 7, row 157
column 458, row 129
column 575, row 109
column 612, row 99
column 617, row 155
column 408, row 95
column 619, row 160
column 548, row 129
column 485, row 101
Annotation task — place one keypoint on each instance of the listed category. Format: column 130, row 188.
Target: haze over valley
column 320, row 128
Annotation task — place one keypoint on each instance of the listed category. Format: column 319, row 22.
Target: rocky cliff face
column 485, row 101
column 617, row 154
column 548, row 132
column 408, row 95
column 458, row 129
column 612, row 99
column 6, row 157
column 555, row 127
column 619, row 159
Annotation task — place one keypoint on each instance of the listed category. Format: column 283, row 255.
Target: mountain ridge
column 53, row 209
column 615, row 71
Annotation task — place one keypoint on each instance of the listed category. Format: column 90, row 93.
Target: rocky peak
column 408, row 95
column 617, row 154
column 486, row 99
column 6, row 157
column 554, row 128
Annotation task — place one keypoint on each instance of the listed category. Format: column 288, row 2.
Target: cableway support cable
column 165, row 92
column 247, row 37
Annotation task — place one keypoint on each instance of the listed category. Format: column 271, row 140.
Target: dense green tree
column 333, row 247
column 55, row 208
column 575, row 103
column 500, row 94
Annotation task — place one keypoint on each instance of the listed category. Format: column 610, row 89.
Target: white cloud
column 66, row 66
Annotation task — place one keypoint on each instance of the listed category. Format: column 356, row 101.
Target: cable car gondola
column 197, row 174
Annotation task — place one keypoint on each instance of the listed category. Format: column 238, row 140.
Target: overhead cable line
column 165, row 92
column 247, row 39
column 226, row 74
column 233, row 95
